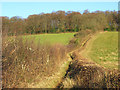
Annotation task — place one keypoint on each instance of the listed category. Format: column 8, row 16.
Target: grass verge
column 103, row 49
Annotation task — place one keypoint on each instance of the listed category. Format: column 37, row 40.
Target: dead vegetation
column 23, row 61
column 83, row 73
column 86, row 74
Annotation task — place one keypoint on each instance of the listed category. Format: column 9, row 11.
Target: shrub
column 23, row 60
column 82, row 74
column 79, row 38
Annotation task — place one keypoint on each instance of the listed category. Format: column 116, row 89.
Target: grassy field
column 103, row 49
column 34, row 65
column 62, row 38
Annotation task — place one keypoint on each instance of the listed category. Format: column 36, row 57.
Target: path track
column 90, row 73
column 83, row 72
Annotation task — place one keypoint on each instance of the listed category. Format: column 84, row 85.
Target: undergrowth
column 23, row 61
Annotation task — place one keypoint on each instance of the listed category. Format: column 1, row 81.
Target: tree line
column 61, row 21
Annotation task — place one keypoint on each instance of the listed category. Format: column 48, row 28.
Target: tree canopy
column 61, row 21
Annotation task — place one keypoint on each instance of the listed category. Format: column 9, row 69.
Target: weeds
column 23, row 60
column 79, row 38
column 83, row 74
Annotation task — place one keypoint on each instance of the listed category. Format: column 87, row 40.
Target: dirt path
column 85, row 73
column 76, row 71
column 55, row 79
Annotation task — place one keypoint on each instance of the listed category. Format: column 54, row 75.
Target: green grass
column 104, row 49
column 62, row 38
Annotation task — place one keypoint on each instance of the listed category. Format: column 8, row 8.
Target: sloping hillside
column 86, row 73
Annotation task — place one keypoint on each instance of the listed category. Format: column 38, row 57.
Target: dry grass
column 79, row 39
column 23, row 61
column 83, row 73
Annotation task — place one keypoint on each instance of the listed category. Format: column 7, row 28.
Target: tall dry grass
column 23, row 60
column 79, row 38
column 83, row 73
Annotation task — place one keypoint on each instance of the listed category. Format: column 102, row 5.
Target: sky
column 24, row 9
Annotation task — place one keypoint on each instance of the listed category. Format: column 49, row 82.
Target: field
column 35, row 64
column 103, row 49
column 59, row 48
column 62, row 38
